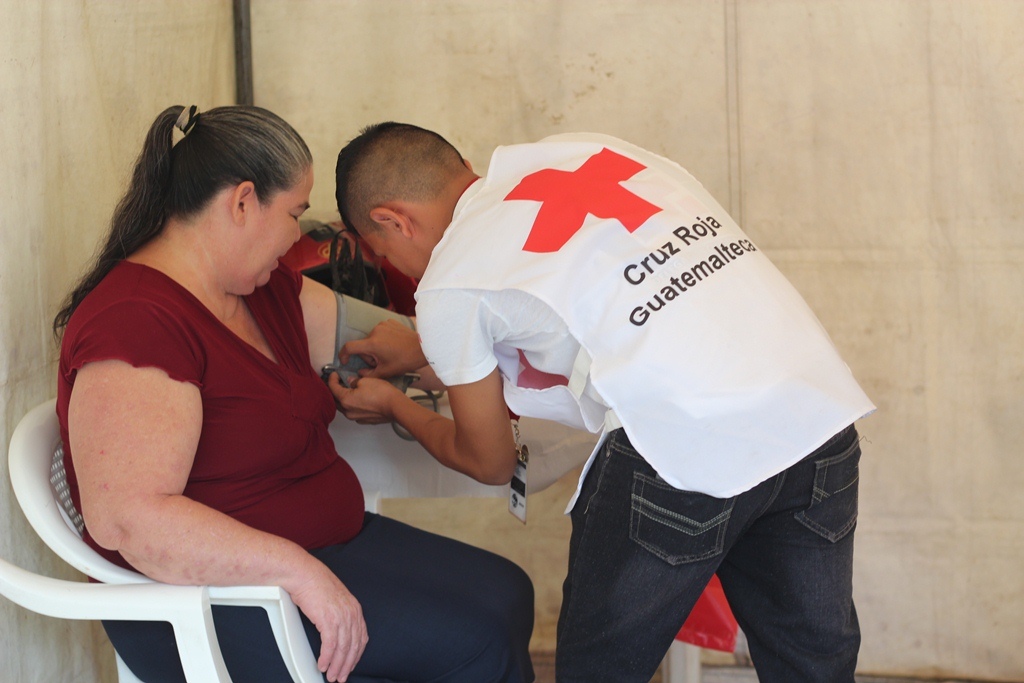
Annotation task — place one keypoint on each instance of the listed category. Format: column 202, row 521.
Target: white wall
column 80, row 82
column 873, row 148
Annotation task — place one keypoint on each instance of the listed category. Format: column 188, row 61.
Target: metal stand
column 243, row 53
column 681, row 664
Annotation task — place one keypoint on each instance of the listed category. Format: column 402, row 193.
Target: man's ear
column 242, row 200
column 392, row 220
column 467, row 164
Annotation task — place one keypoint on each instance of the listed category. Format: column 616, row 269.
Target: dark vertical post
column 243, row 53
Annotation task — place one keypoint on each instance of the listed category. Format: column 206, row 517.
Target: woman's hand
column 338, row 617
column 391, row 349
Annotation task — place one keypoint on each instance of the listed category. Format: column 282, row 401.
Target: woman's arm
column 134, row 433
column 320, row 316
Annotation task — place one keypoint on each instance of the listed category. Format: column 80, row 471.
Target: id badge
column 517, row 487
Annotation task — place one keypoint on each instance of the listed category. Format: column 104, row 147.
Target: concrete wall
column 873, row 148
column 80, row 82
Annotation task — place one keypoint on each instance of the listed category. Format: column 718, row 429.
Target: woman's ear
column 243, row 201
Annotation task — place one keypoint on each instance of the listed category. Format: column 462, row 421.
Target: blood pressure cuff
column 356, row 318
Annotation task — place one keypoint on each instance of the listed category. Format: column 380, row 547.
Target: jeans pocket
column 832, row 513
column 677, row 526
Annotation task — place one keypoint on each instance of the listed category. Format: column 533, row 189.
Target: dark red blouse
column 265, row 456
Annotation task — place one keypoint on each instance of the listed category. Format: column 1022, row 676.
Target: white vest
column 706, row 355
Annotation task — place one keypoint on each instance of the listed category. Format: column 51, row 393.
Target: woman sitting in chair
column 195, row 427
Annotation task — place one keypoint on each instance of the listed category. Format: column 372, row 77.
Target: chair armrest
column 284, row 620
column 187, row 608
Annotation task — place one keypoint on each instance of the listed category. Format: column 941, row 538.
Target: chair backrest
column 62, row 492
column 33, row 460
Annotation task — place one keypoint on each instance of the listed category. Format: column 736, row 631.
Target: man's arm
column 477, row 441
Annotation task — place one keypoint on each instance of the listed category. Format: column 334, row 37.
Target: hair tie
column 186, row 121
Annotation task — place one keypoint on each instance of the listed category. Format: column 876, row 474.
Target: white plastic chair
column 124, row 594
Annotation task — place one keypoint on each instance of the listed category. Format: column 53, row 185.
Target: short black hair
column 389, row 161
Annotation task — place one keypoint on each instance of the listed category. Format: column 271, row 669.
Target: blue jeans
column 642, row 552
column 436, row 610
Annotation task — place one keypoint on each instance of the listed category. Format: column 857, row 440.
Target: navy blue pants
column 642, row 552
column 436, row 610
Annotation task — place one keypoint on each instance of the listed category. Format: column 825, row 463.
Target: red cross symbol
column 568, row 196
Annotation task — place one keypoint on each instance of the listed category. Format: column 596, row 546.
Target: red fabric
column 400, row 287
column 265, row 456
column 711, row 623
column 532, row 378
column 568, row 197
column 313, row 252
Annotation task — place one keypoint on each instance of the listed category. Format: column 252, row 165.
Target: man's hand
column 391, row 349
column 368, row 401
